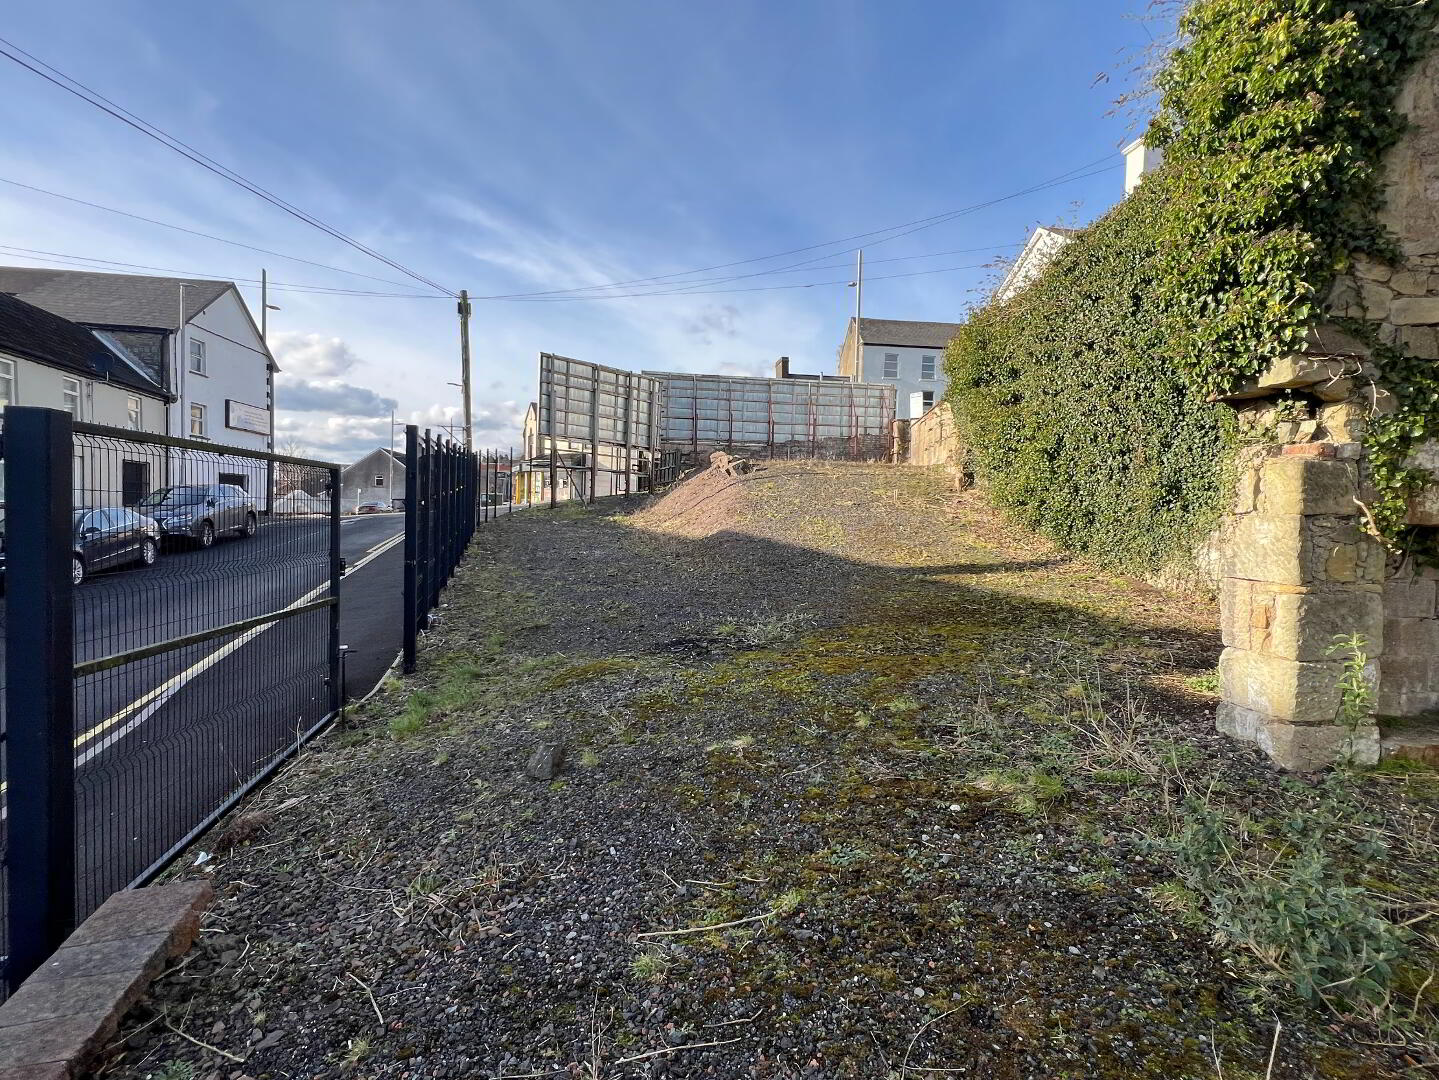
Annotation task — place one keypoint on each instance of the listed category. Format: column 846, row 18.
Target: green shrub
column 1086, row 398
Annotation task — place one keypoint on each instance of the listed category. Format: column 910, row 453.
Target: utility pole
column 858, row 287
column 464, row 309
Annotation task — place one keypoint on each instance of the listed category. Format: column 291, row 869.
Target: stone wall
column 933, row 440
column 1301, row 566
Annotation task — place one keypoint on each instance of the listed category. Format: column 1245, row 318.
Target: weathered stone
column 1415, row 311
column 1411, row 598
column 1420, row 341
column 1413, row 742
column 1424, row 504
column 545, row 761
column 1371, row 270
column 1293, row 690
column 1304, row 626
column 1266, row 547
column 1410, row 282
column 1297, row 370
column 1305, row 485
column 52, row 999
column 71, row 1038
column 1299, row 747
column 1376, row 299
column 172, row 909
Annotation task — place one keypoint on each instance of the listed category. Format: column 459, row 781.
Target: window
column 891, row 365
column 379, row 481
column 7, row 382
column 236, row 482
column 134, row 481
column 928, row 400
column 926, row 367
column 134, row 412
column 70, row 396
column 197, row 357
column 197, row 421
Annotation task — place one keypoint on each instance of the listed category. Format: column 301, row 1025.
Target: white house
column 1138, row 160
column 906, row 355
column 52, row 363
column 194, row 338
column 1039, row 251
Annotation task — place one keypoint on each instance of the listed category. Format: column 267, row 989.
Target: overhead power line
column 1081, row 172
column 37, row 255
column 197, row 232
column 72, row 86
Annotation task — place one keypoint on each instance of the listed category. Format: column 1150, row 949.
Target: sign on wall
column 243, row 417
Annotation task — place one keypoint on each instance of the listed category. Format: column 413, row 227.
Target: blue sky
column 520, row 146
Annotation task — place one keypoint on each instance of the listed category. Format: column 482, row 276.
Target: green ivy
column 1088, row 397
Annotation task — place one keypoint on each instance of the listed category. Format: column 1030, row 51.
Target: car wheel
column 207, row 534
column 77, row 570
column 251, row 525
column 149, row 552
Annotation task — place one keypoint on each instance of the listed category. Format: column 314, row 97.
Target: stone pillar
column 1299, row 572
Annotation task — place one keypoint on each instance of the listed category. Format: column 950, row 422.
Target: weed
column 765, row 633
column 355, row 1052
column 589, row 759
column 1029, row 793
column 174, row 1070
column 651, row 965
column 1203, row 684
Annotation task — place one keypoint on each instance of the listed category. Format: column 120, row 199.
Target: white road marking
column 148, row 703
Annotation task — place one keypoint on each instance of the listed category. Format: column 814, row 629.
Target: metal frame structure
column 606, row 419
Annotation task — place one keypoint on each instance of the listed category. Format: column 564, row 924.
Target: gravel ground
column 857, row 782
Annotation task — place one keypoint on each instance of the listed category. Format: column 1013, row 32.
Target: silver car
column 201, row 512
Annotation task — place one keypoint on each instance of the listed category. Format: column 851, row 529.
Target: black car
column 109, row 536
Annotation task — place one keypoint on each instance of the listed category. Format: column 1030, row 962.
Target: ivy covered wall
column 1088, row 400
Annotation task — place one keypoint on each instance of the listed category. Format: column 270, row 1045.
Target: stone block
column 1306, row 485
column 1410, row 282
column 1414, row 311
column 172, row 909
column 1376, row 299
column 1299, row 747
column 1411, row 598
column 1284, row 689
column 1312, row 449
column 147, row 954
column 46, row 1042
column 1305, row 625
column 1267, row 547
column 1298, row 370
column 1415, row 637
column 1345, row 422
column 52, row 999
column 1371, row 270
column 1420, row 341
column 1424, row 505
column 51, row 1070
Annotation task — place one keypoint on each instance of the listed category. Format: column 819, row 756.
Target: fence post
column 337, row 690
column 412, row 546
column 39, row 686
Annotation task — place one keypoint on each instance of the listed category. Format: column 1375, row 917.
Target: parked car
column 373, row 508
column 201, row 512
column 109, row 536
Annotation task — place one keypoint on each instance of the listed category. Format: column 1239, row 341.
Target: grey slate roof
column 111, row 299
column 36, row 334
column 921, row 335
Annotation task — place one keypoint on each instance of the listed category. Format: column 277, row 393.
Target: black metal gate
column 165, row 651
column 443, row 484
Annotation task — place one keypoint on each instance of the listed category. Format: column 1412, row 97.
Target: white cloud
column 312, row 355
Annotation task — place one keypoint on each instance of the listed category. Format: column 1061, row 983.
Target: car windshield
column 187, row 495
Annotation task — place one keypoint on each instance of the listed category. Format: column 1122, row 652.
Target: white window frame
column 197, row 356
column 71, row 396
column 7, row 382
column 928, row 367
column 891, row 365
column 201, row 418
column 927, row 399
column 135, row 412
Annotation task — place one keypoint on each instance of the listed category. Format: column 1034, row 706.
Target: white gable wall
column 236, row 369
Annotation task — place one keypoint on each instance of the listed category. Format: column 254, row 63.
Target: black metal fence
column 171, row 636
column 444, row 485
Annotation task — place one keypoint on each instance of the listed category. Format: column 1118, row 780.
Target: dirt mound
column 703, row 505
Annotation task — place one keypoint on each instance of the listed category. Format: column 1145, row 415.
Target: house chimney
column 1138, row 160
column 781, row 368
